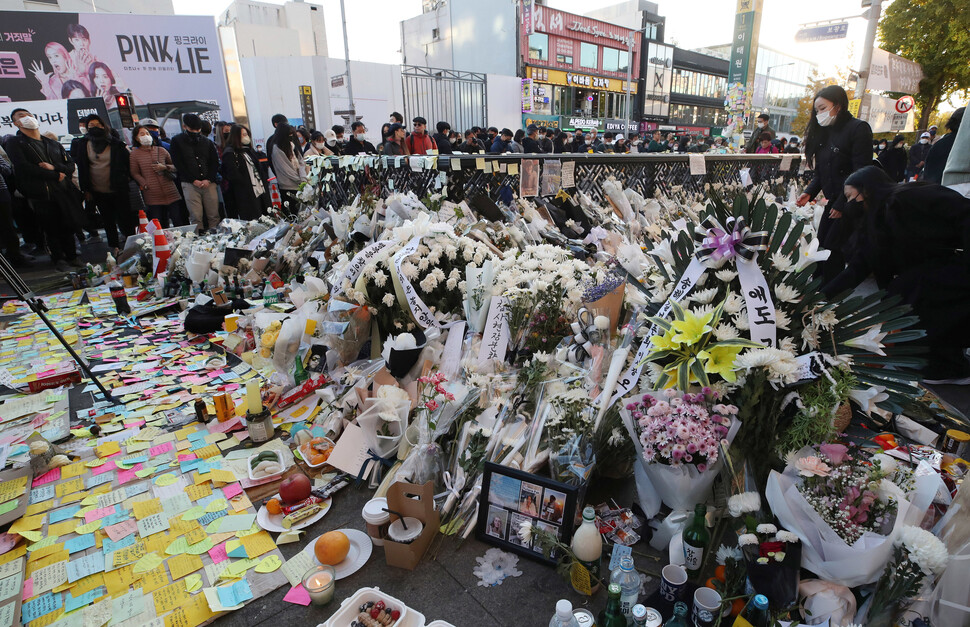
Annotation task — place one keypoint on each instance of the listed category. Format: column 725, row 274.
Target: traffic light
column 126, row 110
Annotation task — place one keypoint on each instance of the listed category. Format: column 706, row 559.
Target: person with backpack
column 419, row 142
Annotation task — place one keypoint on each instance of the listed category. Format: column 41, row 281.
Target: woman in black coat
column 893, row 160
column 836, row 145
column 247, row 183
column 914, row 239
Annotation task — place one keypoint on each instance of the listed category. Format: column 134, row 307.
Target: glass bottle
column 612, row 616
column 756, row 611
column 587, row 545
column 639, row 614
column 564, row 616
column 696, row 539
column 629, row 581
column 300, row 374
column 679, row 619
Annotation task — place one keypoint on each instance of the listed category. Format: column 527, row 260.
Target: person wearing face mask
column 932, row 130
column 502, row 143
column 317, row 146
column 358, row 144
column 247, row 184
column 761, row 126
column 289, row 166
column 442, row 138
column 153, row 170
column 608, row 143
column 836, row 145
column 893, row 159
column 103, row 171
column 530, row 143
column 595, row 144
column 940, row 150
column 155, row 131
column 333, row 140
column 917, row 157
column 43, row 172
column 914, row 239
column 197, row 162
column 621, row 146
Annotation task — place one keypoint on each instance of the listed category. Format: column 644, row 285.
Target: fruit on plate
column 295, row 488
column 274, row 507
column 317, row 451
column 332, row 547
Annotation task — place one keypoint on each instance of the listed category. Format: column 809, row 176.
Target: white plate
column 274, row 522
column 360, row 550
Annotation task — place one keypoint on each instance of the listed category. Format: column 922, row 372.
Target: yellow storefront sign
column 575, row 79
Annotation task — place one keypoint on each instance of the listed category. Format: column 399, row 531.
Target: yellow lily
column 720, row 360
column 665, row 342
column 692, row 328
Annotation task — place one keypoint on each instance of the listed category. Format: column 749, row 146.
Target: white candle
column 254, row 402
column 318, row 583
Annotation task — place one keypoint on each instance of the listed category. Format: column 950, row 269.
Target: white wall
column 484, row 36
column 504, row 95
column 420, row 47
column 148, row 7
column 291, row 29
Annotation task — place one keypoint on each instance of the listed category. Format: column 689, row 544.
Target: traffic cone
column 274, row 194
column 155, row 225
column 142, row 221
column 161, row 252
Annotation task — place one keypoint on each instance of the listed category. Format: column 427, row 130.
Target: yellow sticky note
column 269, row 564
column 107, row 449
column 222, row 476
column 72, row 470
column 154, row 579
column 182, row 565
column 197, row 492
column 39, row 508
column 143, row 509
column 62, row 528
column 195, row 535
column 258, row 543
column 193, row 583
column 299, row 411
column 69, row 487
column 170, row 597
column 117, row 581
column 27, row 523
column 207, row 451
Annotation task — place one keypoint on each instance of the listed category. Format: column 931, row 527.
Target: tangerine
column 332, row 547
column 274, row 507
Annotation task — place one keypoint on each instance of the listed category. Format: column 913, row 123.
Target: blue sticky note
column 87, row 565
column 134, row 489
column 109, row 546
column 237, row 593
column 239, row 551
column 73, row 603
column 114, row 519
column 42, row 606
column 66, row 513
column 208, row 517
column 79, row 543
column 41, row 494
column 141, row 459
column 189, row 465
column 96, row 480
column 197, row 435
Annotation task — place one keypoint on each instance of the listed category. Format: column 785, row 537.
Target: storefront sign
column 620, row 126
column 571, row 123
column 546, row 121
column 889, row 72
column 527, row 17
column 593, row 29
column 526, row 95
column 658, row 74
column 572, row 79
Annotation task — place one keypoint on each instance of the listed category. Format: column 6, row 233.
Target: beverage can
column 653, row 618
column 584, row 617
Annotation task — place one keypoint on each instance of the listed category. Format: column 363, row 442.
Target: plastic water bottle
column 564, row 615
column 629, row 580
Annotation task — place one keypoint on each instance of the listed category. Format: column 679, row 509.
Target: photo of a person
column 63, row 70
column 74, row 89
column 316, row 359
column 529, row 499
column 497, row 522
column 514, row 524
column 80, row 42
column 504, row 491
column 553, row 503
column 102, row 81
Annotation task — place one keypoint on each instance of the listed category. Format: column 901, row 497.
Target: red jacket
column 420, row 144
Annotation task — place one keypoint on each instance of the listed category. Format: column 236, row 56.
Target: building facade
column 261, row 29
column 140, row 7
column 575, row 70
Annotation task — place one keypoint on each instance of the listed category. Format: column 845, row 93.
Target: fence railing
column 466, row 176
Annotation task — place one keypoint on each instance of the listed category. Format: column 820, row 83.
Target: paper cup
column 707, row 605
column 673, row 578
column 408, row 442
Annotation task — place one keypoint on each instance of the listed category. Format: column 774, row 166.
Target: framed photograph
column 513, row 497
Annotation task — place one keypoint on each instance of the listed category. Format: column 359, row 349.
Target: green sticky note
column 181, row 545
column 9, row 506
column 200, row 547
column 195, row 513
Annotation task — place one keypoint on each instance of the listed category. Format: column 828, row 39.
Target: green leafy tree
column 935, row 34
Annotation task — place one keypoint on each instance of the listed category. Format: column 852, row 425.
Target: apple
column 295, row 488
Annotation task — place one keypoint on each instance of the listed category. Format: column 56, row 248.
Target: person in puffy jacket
column 419, row 142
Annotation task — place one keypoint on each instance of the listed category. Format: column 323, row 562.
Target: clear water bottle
column 629, row 581
column 564, row 615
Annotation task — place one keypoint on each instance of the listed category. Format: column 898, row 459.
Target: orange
column 719, row 572
column 273, row 507
column 332, row 547
column 737, row 606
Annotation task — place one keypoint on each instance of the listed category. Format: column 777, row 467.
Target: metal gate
column 439, row 95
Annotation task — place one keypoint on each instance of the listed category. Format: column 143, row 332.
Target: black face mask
column 96, row 131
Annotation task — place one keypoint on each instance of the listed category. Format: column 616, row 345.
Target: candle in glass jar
column 319, row 584
column 254, row 402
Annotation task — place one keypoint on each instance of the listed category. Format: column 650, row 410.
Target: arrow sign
column 905, row 104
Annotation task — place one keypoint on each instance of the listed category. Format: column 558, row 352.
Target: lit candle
column 318, row 582
column 254, row 401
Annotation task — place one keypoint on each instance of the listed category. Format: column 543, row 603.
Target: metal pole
column 875, row 9
column 350, row 85
column 629, row 79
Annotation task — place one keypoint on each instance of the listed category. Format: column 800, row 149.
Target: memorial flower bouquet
column 569, row 420
column 773, row 559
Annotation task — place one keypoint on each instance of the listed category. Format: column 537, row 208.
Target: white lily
column 871, row 341
column 867, row 399
column 808, row 253
column 662, row 251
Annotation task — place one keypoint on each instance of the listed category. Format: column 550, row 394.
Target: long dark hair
column 283, row 138
column 876, row 186
column 814, row 133
column 235, row 137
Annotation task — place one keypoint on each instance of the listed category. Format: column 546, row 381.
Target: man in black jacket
column 761, row 126
column 44, row 171
column 277, row 119
column 441, row 138
column 530, row 144
column 471, row 145
column 358, row 144
column 545, row 140
column 103, row 171
column 197, row 162
column 940, row 149
column 917, row 156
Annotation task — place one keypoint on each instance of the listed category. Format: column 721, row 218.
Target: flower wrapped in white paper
column 384, row 419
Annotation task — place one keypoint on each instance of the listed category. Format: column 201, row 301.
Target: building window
column 611, row 59
column 624, row 61
column 434, row 34
column 538, row 47
column 588, row 55
column 562, row 58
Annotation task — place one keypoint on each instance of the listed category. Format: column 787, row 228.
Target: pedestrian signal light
column 125, row 110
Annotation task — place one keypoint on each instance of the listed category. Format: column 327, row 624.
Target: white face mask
column 824, row 118
column 360, row 137
column 761, row 124
column 330, row 142
column 318, row 145
column 589, row 141
column 29, row 122
column 245, row 141
column 609, row 143
column 924, row 141
column 84, row 130
column 145, row 140
column 882, row 146
column 635, row 141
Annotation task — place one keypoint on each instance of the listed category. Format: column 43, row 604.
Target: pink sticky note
column 103, row 468
column 121, row 530
column 124, row 476
column 161, row 448
column 297, row 595
column 227, row 426
column 28, row 588
column 98, row 514
column 218, row 553
column 47, row 477
column 186, row 457
column 232, row 491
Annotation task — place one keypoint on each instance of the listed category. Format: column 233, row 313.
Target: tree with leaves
column 935, row 34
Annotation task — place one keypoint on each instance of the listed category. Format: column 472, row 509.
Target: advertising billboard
column 48, row 58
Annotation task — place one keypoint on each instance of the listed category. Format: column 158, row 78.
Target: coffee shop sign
column 587, row 81
column 594, row 30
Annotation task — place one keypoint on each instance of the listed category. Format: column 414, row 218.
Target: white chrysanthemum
column 726, row 275
column 702, row 310
column 428, row 283
column 741, row 321
column 782, row 321
column 787, row 293
column 724, row 553
column 743, row 503
column 725, row 331
column 525, row 531
column 925, row 549
column 781, row 262
column 758, row 358
column 786, row 536
column 787, row 344
column 766, row 529
column 388, row 300
column 826, row 319
column 746, row 539
column 733, row 303
column 704, row 297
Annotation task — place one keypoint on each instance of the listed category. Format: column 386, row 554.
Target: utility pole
column 875, row 8
column 350, row 85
